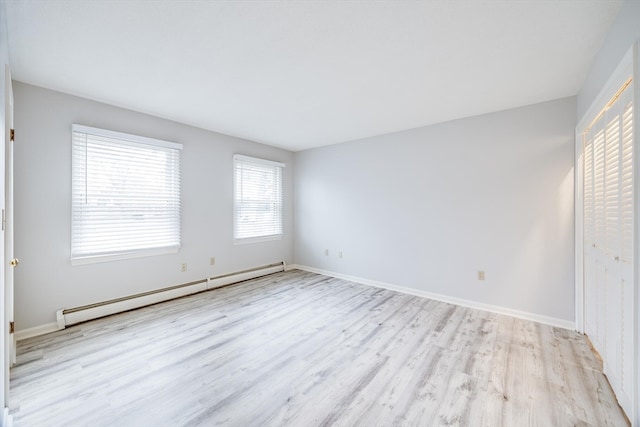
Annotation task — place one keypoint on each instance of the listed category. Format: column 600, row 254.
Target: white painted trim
column 36, row 331
column 257, row 161
column 551, row 321
column 620, row 75
column 125, row 137
column 579, row 232
column 635, row 397
column 251, row 240
column 7, row 420
column 83, row 260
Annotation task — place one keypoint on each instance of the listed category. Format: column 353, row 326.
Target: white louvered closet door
column 611, row 250
column 608, row 241
column 598, row 253
column 627, row 296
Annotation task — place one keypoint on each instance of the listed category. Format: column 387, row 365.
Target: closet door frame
column 628, row 67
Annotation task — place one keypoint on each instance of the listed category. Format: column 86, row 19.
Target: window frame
column 126, row 140
column 237, row 159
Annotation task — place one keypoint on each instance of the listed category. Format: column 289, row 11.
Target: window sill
column 250, row 240
column 124, row 255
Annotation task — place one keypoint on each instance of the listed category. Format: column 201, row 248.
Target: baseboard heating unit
column 72, row 316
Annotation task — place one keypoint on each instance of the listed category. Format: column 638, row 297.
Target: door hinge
column 12, row 327
column 12, row 134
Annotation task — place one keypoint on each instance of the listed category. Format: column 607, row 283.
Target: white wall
column 623, row 33
column 46, row 281
column 427, row 208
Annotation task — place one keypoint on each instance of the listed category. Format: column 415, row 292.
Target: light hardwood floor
column 301, row 349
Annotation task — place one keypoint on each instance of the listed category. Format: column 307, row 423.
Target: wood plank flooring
column 301, row 349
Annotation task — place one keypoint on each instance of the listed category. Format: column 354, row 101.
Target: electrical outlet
column 480, row 274
column 212, row 260
column 326, row 252
column 183, row 267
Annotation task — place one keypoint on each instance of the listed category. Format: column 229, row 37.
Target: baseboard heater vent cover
column 72, row 316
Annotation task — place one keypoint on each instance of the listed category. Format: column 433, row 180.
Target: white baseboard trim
column 36, row 330
column 551, row 321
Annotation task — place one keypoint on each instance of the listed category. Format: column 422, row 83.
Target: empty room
column 320, row 213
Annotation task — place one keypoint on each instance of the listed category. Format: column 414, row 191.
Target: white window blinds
column 257, row 199
column 125, row 195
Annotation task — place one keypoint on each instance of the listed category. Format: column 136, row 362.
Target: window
column 257, row 199
column 125, row 199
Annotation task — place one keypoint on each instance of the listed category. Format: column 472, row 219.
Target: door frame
column 9, row 246
column 4, row 371
column 9, row 268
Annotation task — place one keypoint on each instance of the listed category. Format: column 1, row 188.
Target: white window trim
column 250, row 240
column 84, row 260
column 262, row 162
column 125, row 136
column 258, row 161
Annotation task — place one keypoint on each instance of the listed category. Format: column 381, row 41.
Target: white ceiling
column 301, row 74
